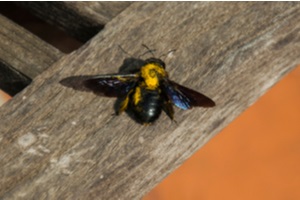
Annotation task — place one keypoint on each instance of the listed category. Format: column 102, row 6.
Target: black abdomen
column 149, row 107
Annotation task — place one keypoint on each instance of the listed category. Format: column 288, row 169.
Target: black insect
column 143, row 90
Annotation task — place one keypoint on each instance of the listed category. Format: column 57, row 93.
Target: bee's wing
column 110, row 85
column 184, row 97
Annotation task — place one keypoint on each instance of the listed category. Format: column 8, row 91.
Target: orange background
column 256, row 157
column 3, row 97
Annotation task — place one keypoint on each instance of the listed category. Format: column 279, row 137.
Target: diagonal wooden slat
column 57, row 143
column 26, row 52
column 22, row 56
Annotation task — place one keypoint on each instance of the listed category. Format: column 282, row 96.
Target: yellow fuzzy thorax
column 151, row 73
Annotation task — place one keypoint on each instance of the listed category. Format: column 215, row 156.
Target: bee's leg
column 168, row 108
column 123, row 105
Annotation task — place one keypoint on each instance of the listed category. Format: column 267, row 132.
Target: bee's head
column 156, row 61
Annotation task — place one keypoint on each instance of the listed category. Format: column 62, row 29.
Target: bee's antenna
column 124, row 51
column 165, row 54
column 148, row 51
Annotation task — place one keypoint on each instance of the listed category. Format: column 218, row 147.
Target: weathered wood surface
column 57, row 143
column 26, row 52
column 22, row 56
column 82, row 20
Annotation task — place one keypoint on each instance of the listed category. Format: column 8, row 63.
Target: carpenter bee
column 142, row 88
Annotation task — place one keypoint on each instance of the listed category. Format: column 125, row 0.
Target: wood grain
column 22, row 56
column 26, row 52
column 57, row 143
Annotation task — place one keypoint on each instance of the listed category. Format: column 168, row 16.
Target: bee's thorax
column 152, row 74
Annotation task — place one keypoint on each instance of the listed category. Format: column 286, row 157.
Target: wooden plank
column 22, row 56
column 82, row 20
column 26, row 52
column 58, row 143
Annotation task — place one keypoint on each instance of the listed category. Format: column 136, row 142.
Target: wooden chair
column 57, row 143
